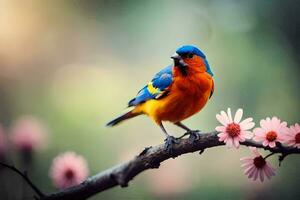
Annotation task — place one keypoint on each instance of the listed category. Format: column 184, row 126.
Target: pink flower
column 270, row 131
column 292, row 136
column 28, row 134
column 234, row 131
column 3, row 145
column 68, row 169
column 257, row 166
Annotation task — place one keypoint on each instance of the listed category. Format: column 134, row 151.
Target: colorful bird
column 175, row 93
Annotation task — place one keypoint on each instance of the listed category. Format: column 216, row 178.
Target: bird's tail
column 123, row 117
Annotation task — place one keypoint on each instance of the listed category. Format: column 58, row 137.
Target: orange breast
column 187, row 96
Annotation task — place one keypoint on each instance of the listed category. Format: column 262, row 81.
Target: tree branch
column 151, row 157
column 25, row 177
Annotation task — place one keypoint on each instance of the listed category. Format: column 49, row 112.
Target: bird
column 175, row 93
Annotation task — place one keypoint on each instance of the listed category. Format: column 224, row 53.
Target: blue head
column 190, row 51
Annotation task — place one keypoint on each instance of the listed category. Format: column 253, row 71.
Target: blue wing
column 156, row 88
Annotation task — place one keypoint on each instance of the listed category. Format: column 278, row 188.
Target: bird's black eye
column 190, row 55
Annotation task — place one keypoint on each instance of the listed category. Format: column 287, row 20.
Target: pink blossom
column 68, row 169
column 234, row 130
column 292, row 136
column 270, row 131
column 257, row 166
column 3, row 142
column 28, row 134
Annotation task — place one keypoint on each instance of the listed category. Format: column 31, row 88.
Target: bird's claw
column 194, row 135
column 169, row 143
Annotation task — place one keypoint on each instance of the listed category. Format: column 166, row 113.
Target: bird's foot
column 170, row 141
column 193, row 136
column 191, row 133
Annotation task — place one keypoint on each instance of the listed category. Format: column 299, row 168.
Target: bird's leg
column 192, row 133
column 181, row 125
column 169, row 141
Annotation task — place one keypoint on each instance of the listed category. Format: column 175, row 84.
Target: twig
column 25, row 177
column 151, row 157
column 267, row 156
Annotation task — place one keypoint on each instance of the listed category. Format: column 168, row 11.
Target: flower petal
column 225, row 116
column 247, row 134
column 246, row 158
column 222, row 136
column 229, row 115
column 275, row 123
column 236, row 142
column 221, row 119
column 259, row 131
column 265, row 124
column 254, row 150
column 251, row 172
column 247, row 126
column 238, row 116
column 265, row 143
column 261, row 175
column 220, row 128
column 272, row 144
column 270, row 169
column 248, row 169
column 255, row 174
column 268, row 174
column 229, row 142
column 246, row 165
column 258, row 138
column 241, row 138
column 245, row 122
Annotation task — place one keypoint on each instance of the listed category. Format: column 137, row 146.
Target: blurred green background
column 75, row 64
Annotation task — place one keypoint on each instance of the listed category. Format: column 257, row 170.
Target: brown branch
column 26, row 178
column 151, row 157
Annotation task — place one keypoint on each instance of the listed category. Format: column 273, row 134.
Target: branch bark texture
column 151, row 157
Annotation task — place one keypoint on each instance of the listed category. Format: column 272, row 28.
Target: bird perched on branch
column 175, row 93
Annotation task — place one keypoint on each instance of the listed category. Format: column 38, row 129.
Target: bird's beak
column 178, row 61
column 175, row 57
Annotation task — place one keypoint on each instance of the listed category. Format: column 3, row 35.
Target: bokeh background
column 74, row 65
